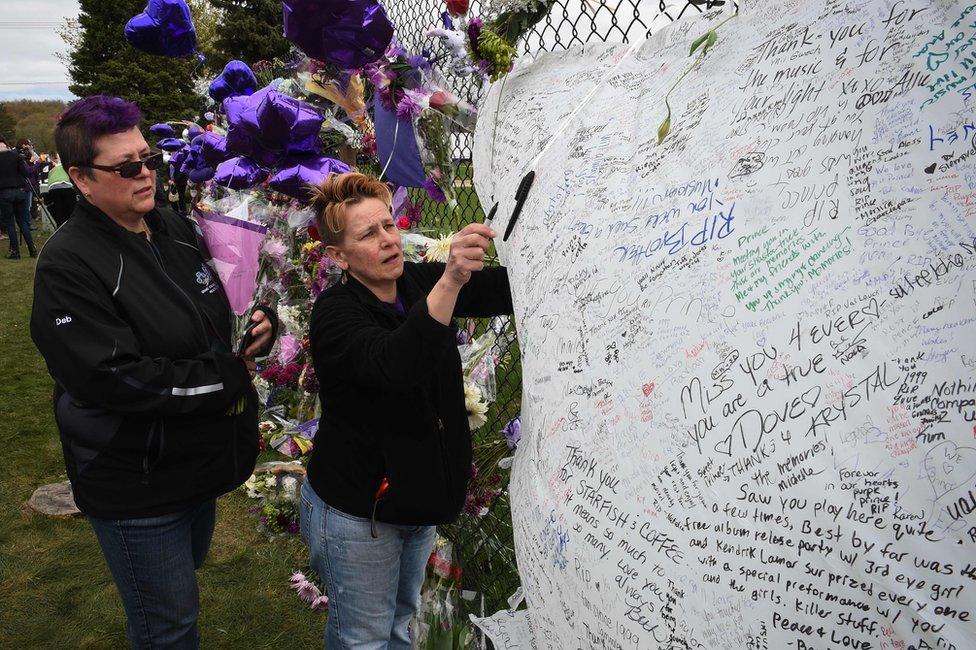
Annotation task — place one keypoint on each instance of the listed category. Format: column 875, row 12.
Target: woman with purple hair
column 156, row 411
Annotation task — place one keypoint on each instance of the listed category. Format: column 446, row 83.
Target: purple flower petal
column 513, row 432
column 433, row 191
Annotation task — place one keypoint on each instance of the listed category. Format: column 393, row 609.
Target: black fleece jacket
column 13, row 171
column 155, row 412
column 393, row 397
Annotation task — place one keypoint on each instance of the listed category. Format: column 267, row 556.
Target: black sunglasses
column 132, row 168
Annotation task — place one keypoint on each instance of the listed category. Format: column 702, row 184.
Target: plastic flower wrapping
column 479, row 358
column 439, row 622
column 276, row 491
column 413, row 107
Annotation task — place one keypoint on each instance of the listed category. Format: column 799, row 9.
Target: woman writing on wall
column 392, row 456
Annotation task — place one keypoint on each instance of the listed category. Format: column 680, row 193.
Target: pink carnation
column 408, row 107
column 307, row 591
column 320, row 603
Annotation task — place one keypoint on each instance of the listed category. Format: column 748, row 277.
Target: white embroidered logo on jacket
column 206, row 280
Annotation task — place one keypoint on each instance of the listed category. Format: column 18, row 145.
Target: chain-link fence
column 484, row 544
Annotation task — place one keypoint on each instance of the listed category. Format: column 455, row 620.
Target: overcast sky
column 28, row 45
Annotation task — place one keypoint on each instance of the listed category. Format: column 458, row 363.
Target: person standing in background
column 172, row 196
column 32, row 183
column 61, row 195
column 14, row 200
column 45, row 169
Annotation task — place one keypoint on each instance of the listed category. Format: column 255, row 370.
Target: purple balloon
column 236, row 79
column 346, row 33
column 239, row 173
column 162, row 130
column 201, row 174
column 170, row 144
column 192, row 159
column 214, row 148
column 235, row 105
column 267, row 125
column 164, row 27
column 177, row 159
column 285, row 123
column 297, row 173
column 195, row 165
column 242, row 127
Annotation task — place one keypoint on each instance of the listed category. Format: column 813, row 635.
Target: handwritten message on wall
column 749, row 352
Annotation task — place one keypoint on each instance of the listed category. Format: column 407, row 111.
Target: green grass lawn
column 55, row 590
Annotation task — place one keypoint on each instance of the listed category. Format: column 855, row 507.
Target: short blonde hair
column 335, row 194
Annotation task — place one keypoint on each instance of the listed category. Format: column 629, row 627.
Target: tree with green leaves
column 101, row 61
column 34, row 119
column 7, row 125
column 250, row 30
column 206, row 20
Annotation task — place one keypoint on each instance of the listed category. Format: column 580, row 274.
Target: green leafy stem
column 705, row 42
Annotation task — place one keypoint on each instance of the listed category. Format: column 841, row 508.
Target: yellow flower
column 308, row 247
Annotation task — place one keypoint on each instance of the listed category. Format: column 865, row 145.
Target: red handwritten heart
column 648, row 389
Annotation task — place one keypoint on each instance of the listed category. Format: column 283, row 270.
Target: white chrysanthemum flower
column 477, row 416
column 438, row 250
column 291, row 317
column 251, row 485
column 263, row 389
column 472, row 394
column 477, row 409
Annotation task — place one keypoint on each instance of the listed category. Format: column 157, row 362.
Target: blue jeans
column 15, row 211
column 373, row 584
column 153, row 562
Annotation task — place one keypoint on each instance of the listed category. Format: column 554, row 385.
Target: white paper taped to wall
column 748, row 352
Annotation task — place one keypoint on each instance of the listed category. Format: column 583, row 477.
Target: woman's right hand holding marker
column 467, row 255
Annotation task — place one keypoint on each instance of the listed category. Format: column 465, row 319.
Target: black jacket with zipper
column 155, row 411
column 13, row 170
column 393, row 397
